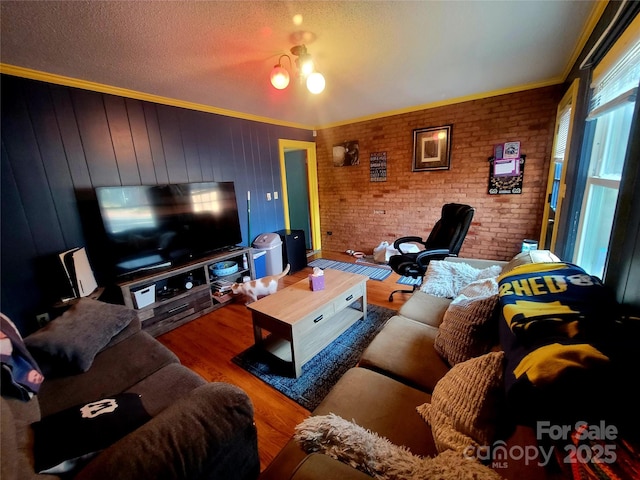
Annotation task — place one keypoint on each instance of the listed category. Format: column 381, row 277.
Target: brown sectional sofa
column 396, row 373
column 197, row 429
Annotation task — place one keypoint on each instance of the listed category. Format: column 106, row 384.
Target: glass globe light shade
column 306, row 65
column 315, row 83
column 279, row 77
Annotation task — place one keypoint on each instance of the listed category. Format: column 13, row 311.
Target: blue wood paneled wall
column 58, row 140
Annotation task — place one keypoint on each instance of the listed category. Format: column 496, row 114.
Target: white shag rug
column 376, row 456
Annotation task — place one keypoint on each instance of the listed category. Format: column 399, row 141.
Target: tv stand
column 187, row 291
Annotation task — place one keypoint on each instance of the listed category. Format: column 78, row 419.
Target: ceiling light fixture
column 315, row 82
column 280, row 75
column 306, row 71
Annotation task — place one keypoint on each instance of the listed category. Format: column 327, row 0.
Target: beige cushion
column 404, row 351
column 390, row 411
column 425, row 308
column 468, row 327
column 372, row 453
column 464, row 407
column 532, row 256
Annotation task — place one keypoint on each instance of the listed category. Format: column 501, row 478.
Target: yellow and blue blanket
column 556, row 328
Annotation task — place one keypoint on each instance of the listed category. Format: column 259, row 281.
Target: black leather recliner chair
column 445, row 240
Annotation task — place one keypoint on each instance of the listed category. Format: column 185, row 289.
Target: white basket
column 145, row 296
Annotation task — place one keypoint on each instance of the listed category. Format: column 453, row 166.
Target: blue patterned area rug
column 322, row 372
column 373, row 272
column 409, row 281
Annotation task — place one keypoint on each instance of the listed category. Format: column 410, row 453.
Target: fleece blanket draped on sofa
column 558, row 327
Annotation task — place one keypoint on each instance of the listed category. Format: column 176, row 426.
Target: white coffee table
column 302, row 322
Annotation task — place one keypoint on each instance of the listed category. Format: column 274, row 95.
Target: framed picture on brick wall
column 506, row 175
column 432, row 148
column 346, row 154
column 378, row 166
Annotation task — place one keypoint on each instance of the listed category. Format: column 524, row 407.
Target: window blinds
column 616, row 85
column 563, row 133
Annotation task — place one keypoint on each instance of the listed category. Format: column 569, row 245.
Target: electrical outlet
column 42, row 318
column 268, row 196
column 275, row 195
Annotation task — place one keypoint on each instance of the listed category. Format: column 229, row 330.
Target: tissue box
column 316, row 282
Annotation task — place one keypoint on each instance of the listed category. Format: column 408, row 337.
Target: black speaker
column 294, row 250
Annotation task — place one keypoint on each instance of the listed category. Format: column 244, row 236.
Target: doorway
column 298, row 168
column 556, row 185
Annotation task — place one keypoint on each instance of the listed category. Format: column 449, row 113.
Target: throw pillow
column 446, row 279
column 64, row 440
column 69, row 343
column 469, row 325
column 463, row 413
column 531, row 256
column 376, row 456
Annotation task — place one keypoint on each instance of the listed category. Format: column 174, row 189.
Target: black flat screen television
column 154, row 226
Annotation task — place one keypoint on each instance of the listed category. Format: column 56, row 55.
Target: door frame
column 570, row 98
column 285, row 145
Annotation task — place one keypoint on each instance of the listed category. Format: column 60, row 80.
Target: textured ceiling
column 377, row 56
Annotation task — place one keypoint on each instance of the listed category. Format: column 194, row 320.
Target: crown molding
column 147, row 97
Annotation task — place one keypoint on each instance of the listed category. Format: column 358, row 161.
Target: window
column 614, row 89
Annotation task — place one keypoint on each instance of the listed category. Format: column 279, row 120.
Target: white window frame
column 608, row 72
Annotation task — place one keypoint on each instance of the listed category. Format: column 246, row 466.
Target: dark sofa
column 196, row 429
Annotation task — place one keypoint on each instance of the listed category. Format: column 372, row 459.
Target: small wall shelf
column 186, row 292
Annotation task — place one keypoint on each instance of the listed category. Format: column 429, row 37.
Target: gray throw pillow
column 69, row 343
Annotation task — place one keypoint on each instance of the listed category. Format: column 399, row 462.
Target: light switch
column 275, row 195
column 268, row 196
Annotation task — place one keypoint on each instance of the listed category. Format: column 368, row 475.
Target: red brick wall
column 360, row 213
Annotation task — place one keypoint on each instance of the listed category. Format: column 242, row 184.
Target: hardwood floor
column 207, row 345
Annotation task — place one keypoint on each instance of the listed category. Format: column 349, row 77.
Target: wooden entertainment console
column 186, row 292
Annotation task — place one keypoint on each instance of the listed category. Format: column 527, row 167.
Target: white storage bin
column 144, row 296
